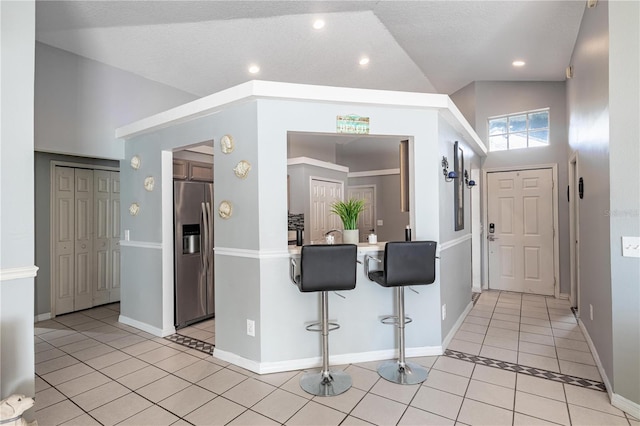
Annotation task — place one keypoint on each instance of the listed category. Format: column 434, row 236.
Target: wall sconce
column 469, row 182
column 448, row 176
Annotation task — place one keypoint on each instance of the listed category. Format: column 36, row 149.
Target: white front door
column 367, row 219
column 323, row 194
column 520, row 231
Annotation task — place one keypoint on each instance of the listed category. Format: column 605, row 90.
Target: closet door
column 115, row 237
column 64, row 240
column 84, row 263
column 102, row 230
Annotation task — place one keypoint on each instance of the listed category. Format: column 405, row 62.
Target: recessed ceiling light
column 364, row 60
column 318, row 24
column 518, row 63
column 254, row 69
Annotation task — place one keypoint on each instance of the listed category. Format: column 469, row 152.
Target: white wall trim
column 146, row 327
column 141, row 244
column 167, row 245
column 564, row 296
column 452, row 243
column 7, row 274
column 456, row 326
column 626, row 405
column 305, row 363
column 317, row 163
column 554, row 195
column 383, row 172
column 596, row 358
column 42, row 317
column 253, row 254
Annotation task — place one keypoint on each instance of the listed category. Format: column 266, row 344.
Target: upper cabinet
column 192, row 170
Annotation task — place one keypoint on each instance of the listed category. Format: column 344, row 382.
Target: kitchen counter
column 363, row 248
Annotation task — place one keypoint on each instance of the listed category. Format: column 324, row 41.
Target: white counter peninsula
column 249, row 125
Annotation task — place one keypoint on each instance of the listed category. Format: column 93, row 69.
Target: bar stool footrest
column 317, row 326
column 410, row 374
column 325, row 383
column 394, row 320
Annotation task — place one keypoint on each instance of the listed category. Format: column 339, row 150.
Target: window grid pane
column 516, row 131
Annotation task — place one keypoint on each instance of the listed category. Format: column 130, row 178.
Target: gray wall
column 624, row 157
column 80, row 102
column 17, row 35
column 387, row 206
column 498, row 98
column 588, row 110
column 42, row 170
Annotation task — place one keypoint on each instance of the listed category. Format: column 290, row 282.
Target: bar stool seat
column 405, row 263
column 325, row 268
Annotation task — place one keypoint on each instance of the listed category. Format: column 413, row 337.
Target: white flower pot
column 351, row 236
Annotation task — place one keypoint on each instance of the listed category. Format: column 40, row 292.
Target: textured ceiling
column 427, row 46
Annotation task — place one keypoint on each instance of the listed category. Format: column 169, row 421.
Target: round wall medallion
column 134, row 208
column 227, row 144
column 135, row 162
column 225, row 209
column 242, row 169
column 149, row 183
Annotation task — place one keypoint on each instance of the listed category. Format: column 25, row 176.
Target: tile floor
column 92, row 370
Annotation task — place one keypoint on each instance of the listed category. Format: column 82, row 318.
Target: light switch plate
column 380, row 222
column 631, row 246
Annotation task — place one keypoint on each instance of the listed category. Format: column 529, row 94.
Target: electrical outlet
column 631, row 246
column 591, row 311
column 444, row 312
column 251, row 328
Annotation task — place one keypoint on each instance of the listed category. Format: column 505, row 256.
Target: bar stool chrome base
column 325, row 383
column 410, row 374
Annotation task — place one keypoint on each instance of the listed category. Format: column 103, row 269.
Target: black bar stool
column 405, row 263
column 325, row 268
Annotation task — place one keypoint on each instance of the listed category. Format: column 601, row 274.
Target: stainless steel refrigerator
column 193, row 227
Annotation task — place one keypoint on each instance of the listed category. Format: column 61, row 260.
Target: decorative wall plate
column 227, row 144
column 134, row 208
column 135, row 162
column 242, row 169
column 225, row 210
column 149, row 183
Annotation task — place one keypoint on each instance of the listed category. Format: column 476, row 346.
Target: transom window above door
column 521, row 130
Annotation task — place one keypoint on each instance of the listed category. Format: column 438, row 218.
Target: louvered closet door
column 64, row 239
column 84, row 264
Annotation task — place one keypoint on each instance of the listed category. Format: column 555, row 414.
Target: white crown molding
column 317, row 163
column 141, row 244
column 8, row 274
column 383, row 172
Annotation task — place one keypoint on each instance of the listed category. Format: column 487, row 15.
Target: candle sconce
column 469, row 182
column 448, row 175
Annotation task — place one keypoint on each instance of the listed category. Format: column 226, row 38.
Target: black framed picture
column 458, row 199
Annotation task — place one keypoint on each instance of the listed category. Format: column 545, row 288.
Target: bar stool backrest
column 409, row 263
column 328, row 267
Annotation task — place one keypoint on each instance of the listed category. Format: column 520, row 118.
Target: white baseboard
column 456, row 326
column 315, row 362
column 563, row 296
column 146, row 327
column 42, row 317
column 476, row 289
column 625, row 405
column 618, row 401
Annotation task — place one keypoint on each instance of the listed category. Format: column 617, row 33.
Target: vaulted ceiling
column 202, row 47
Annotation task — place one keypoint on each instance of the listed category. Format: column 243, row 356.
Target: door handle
column 492, row 237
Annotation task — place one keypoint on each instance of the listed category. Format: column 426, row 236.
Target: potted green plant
column 348, row 212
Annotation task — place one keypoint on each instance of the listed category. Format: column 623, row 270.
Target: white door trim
column 375, row 201
column 556, row 244
column 52, row 177
column 574, row 230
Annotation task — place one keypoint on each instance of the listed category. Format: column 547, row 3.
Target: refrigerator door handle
column 205, row 237
column 209, row 247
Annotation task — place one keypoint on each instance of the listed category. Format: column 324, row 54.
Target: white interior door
column 64, row 239
column 102, row 227
column 323, row 194
column 84, row 277
column 114, row 236
column 367, row 219
column 520, row 213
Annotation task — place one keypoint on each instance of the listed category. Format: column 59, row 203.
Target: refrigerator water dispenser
column 191, row 239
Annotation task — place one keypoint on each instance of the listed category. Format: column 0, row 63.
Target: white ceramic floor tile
column 592, row 399
column 67, row 373
column 58, row 413
column 540, row 322
column 464, row 346
column 537, row 406
column 120, row 409
column 469, row 337
column 541, row 387
column 47, row 355
column 473, row 327
column 506, row 342
column 141, row 348
column 142, row 377
column 316, row 414
column 535, row 329
column 520, row 419
column 494, row 375
column 222, row 381
column 575, row 345
column 505, row 317
column 176, row 362
column 280, row 405
column 414, row 416
column 47, row 397
column 99, row 396
column 362, row 378
column 250, row 418
column 491, row 394
column 567, row 334
column 435, row 401
column 540, row 339
column 399, row 393
column 537, row 361
column 107, row 359
column 575, row 356
column 82, row 384
column 447, row 382
column 217, row 412
column 455, row 366
column 198, row 371
column 505, row 325
column 579, row 370
column 82, row 420
column 537, row 349
column 187, row 400
column 585, row 416
column 499, row 353
column 344, row 402
column 378, row 410
column 163, row 388
column 54, row 364
column 123, row 368
column 153, row 415
column 478, row 413
column 249, row 392
column 156, row 355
